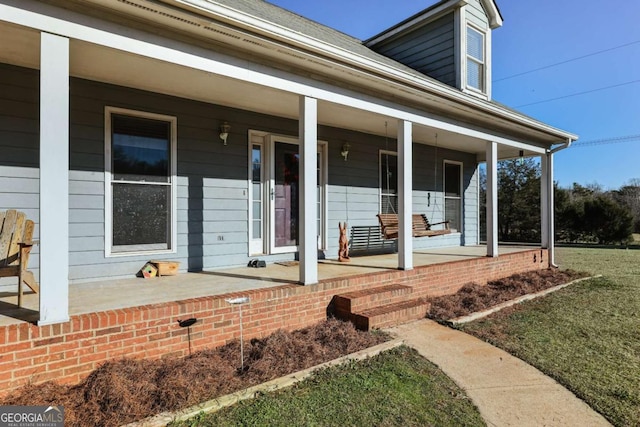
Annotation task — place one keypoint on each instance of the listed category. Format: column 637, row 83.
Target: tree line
column 583, row 214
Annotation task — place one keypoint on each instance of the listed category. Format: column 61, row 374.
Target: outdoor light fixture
column 225, row 128
column 239, row 301
column 187, row 323
column 345, row 150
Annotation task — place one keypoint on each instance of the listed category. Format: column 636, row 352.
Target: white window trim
column 108, row 196
column 380, row 182
column 444, row 191
column 485, row 92
column 252, row 134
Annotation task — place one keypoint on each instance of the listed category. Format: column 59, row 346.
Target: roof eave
column 317, row 47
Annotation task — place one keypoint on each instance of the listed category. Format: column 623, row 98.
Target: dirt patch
column 127, row 390
column 472, row 297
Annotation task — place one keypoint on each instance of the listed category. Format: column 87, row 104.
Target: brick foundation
column 68, row 352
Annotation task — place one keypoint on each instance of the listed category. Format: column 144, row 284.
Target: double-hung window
column 453, row 195
column 476, row 59
column 139, row 182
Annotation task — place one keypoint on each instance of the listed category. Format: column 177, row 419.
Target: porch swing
column 420, row 225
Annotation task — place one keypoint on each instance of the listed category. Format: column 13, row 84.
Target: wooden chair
column 16, row 234
column 419, row 224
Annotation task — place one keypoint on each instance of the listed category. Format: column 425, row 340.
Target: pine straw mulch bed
column 127, row 390
column 472, row 297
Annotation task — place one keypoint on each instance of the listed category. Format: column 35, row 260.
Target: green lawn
column 395, row 388
column 585, row 336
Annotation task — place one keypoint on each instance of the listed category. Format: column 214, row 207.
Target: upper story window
column 476, row 70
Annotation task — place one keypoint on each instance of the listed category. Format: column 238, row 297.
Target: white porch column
column 308, row 131
column 550, row 211
column 544, row 202
column 54, row 179
column 492, row 199
column 405, row 199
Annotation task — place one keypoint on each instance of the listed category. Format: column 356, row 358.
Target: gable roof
column 433, row 12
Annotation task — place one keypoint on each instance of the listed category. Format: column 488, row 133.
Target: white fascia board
column 42, row 17
column 344, row 56
column 495, row 19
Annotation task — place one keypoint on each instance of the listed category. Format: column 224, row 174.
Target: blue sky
column 536, row 34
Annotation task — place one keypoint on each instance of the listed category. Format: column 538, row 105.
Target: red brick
column 107, row 331
column 48, row 341
column 77, row 369
column 27, row 372
column 64, row 363
column 92, row 357
column 40, row 360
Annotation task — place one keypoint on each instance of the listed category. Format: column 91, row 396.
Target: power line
column 578, row 93
column 565, row 61
column 613, row 140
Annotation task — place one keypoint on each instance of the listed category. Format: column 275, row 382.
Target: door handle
column 272, row 193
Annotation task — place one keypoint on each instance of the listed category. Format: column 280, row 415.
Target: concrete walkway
column 507, row 391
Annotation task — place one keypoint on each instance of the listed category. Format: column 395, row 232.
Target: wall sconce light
column 225, row 128
column 345, row 151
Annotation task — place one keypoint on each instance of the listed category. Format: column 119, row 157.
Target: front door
column 286, row 196
column 275, row 194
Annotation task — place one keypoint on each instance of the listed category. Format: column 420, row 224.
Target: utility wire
column 578, row 93
column 565, row 61
column 614, row 140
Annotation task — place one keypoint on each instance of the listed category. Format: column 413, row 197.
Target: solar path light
column 239, row 301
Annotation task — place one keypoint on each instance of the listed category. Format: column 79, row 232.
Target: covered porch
column 66, row 46
column 119, row 294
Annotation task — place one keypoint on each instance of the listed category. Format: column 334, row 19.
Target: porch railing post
column 54, row 179
column 492, row 199
column 308, row 131
column 405, row 199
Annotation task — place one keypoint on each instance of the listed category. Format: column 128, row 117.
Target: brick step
column 391, row 314
column 364, row 299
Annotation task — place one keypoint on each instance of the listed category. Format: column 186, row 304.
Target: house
column 214, row 132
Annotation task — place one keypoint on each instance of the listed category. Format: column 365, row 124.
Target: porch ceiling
column 21, row 47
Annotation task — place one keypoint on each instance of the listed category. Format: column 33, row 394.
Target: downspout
column 551, row 195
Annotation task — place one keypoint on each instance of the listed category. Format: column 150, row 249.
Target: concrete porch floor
column 122, row 293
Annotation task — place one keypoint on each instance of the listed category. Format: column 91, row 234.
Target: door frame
column 267, row 243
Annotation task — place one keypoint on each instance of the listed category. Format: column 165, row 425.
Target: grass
column 586, row 336
column 395, row 388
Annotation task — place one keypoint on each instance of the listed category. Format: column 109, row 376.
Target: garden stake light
column 186, row 323
column 239, row 301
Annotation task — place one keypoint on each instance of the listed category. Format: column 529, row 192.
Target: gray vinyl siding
column 354, row 193
column 19, row 140
column 476, row 14
column 212, row 184
column 212, row 179
column 428, row 49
